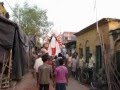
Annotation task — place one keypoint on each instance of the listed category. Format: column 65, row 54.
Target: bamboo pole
column 1, row 76
column 10, row 64
column 5, row 80
column 104, row 53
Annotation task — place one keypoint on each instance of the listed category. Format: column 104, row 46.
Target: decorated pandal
column 53, row 44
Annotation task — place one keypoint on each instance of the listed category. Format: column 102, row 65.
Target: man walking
column 91, row 66
column 45, row 74
column 38, row 62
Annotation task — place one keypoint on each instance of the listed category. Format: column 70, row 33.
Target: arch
column 80, row 45
column 87, row 43
column 117, row 55
column 117, row 45
column 87, row 50
column 80, row 49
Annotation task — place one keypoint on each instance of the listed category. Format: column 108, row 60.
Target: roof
column 68, row 32
column 92, row 26
column 70, row 43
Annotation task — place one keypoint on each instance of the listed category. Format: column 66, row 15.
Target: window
column 98, row 57
column 87, row 54
column 80, row 51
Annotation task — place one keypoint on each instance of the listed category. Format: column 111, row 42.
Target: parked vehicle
column 99, row 80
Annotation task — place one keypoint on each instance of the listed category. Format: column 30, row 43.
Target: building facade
column 69, row 40
column 96, row 41
column 115, row 47
column 68, row 36
column 3, row 11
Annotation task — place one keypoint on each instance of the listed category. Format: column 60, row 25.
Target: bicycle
column 83, row 76
column 99, row 81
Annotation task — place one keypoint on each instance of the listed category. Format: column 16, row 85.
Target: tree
column 32, row 20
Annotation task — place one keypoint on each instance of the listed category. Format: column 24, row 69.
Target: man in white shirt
column 38, row 62
column 91, row 66
column 81, row 62
column 69, row 62
column 91, row 61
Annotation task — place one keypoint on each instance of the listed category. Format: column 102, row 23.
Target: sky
column 73, row 15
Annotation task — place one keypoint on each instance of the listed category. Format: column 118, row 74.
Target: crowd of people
column 59, row 68
column 51, row 68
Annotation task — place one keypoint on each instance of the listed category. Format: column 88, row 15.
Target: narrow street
column 29, row 83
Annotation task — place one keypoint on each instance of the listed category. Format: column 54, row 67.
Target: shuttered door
column 87, row 54
column 98, row 57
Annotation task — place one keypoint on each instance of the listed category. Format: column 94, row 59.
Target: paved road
column 29, row 83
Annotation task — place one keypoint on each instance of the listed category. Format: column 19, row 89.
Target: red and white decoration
column 55, row 43
column 59, row 39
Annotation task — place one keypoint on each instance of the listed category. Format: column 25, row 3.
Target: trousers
column 44, row 87
column 60, row 86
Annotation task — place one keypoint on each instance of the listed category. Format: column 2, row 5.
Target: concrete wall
column 91, row 39
column 112, row 47
column 114, row 25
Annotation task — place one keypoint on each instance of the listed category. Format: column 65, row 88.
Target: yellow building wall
column 91, row 38
column 2, row 10
column 87, row 39
column 114, row 25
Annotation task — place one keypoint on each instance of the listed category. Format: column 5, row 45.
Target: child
column 61, row 76
column 45, row 73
